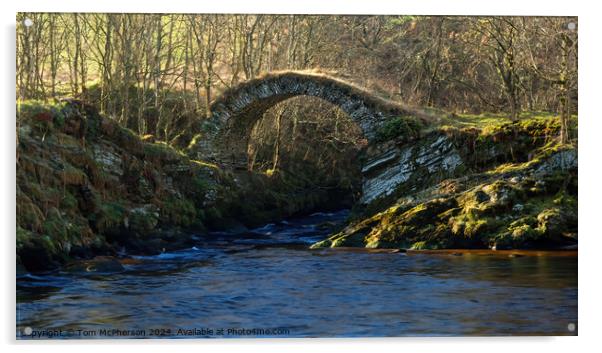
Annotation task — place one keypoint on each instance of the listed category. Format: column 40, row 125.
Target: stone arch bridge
column 227, row 131
column 235, row 112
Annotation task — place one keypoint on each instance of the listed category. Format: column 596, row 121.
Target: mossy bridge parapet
column 227, row 131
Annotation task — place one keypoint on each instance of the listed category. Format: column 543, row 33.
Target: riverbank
column 511, row 186
column 88, row 187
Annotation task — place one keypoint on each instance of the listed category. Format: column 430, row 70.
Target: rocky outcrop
column 86, row 186
column 403, row 164
column 502, row 188
column 412, row 163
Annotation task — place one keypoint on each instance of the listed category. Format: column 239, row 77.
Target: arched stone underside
column 235, row 112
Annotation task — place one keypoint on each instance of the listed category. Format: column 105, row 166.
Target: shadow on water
column 269, row 279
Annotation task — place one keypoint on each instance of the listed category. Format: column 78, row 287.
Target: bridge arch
column 236, row 111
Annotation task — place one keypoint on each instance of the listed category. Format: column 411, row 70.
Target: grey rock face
column 434, row 155
column 108, row 158
column 562, row 160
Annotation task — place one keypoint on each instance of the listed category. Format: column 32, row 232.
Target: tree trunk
column 565, row 100
column 276, row 158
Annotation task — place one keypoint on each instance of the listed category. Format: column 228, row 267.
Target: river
column 268, row 284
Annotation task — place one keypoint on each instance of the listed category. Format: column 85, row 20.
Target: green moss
column 534, row 127
column 109, row 217
column 518, row 234
column 524, row 232
column 468, row 225
column 564, row 199
column 210, row 215
column 29, row 215
column 205, row 164
column 510, row 168
column 326, row 243
column 194, row 141
column 61, row 227
column 402, row 126
column 507, row 147
column 463, row 120
column 555, row 223
column 196, row 187
column 127, row 139
column 161, row 152
column 419, row 245
column 179, row 212
column 356, row 240
column 400, row 227
column 68, row 202
column 48, row 243
column 520, row 210
column 23, row 237
column 144, row 219
column 55, row 226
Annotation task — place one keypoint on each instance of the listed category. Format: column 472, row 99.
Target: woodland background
column 158, row 73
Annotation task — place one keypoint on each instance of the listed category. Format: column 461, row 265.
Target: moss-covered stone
column 407, row 127
column 109, row 218
column 87, row 186
column 143, row 219
column 178, row 212
column 531, row 204
column 160, row 152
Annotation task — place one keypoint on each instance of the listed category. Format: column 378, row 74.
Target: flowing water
column 268, row 284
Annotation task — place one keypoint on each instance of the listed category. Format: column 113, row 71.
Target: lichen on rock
column 524, row 199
